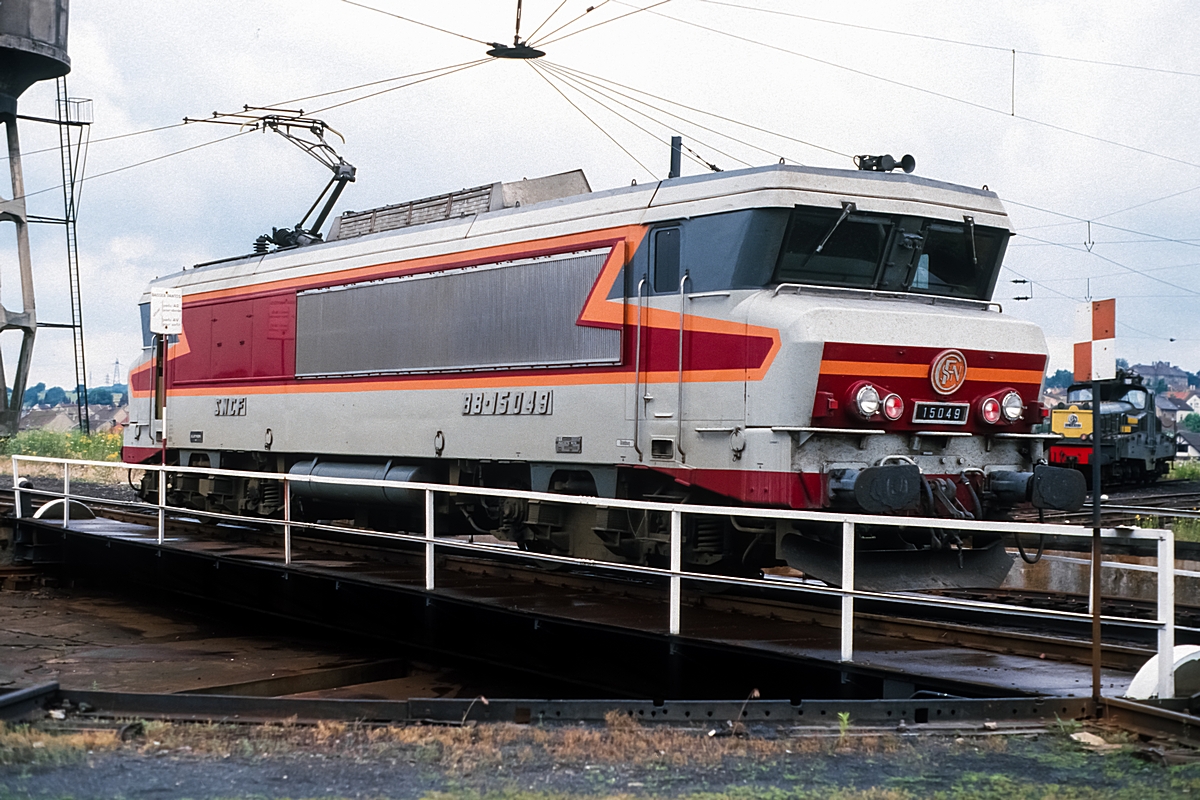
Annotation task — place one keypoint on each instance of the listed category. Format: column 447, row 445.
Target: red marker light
column 990, row 410
column 893, row 407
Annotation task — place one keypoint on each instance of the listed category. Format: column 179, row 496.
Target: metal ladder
column 72, row 158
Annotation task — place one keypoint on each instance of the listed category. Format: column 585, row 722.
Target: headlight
column 990, row 410
column 893, row 407
column 1012, row 406
column 866, row 401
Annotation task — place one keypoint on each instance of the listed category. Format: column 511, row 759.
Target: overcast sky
column 1061, row 139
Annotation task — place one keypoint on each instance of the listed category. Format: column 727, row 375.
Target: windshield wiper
column 969, row 230
column 847, row 210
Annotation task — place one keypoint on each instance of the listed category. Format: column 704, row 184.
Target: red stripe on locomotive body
column 1068, row 455
column 904, row 370
column 799, row 490
column 246, row 338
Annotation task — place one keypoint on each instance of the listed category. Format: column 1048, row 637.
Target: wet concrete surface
column 101, row 640
column 990, row 673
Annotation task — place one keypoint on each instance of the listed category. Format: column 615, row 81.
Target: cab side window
column 666, row 255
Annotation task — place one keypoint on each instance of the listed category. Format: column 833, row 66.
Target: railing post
column 16, row 488
column 676, row 564
column 847, row 586
column 1166, row 614
column 429, row 540
column 66, row 495
column 162, row 503
column 287, row 521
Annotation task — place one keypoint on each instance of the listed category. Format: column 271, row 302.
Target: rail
column 1164, row 622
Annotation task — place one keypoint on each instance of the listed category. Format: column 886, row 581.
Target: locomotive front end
column 901, row 387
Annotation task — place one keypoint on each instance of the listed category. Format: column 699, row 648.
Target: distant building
column 1188, row 445
column 1054, row 395
column 1171, row 410
column 66, row 418
column 1175, row 379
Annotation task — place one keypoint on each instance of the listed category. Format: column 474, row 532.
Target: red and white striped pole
column 1096, row 360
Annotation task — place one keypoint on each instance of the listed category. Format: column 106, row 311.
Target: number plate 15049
column 945, row 413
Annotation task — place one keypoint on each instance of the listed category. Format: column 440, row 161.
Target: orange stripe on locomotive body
column 717, row 337
column 906, row 371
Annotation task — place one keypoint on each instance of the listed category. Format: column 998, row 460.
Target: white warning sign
column 166, row 311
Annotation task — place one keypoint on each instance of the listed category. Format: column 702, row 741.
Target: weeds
column 24, row 744
column 1067, row 726
column 1185, row 471
column 71, row 444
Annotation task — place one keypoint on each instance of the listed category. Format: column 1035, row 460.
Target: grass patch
column 1185, row 530
column 69, row 444
column 1185, row 471
column 33, row 746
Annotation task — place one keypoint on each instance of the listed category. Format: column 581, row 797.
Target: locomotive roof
column 773, row 186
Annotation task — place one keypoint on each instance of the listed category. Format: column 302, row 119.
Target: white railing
column 1164, row 623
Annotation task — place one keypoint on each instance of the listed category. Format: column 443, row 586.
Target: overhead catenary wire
column 113, row 138
column 571, row 22
column 367, row 85
column 601, row 87
column 1116, row 263
column 979, row 45
column 923, row 90
column 547, row 19
column 447, row 71
column 547, row 43
column 415, row 22
column 581, row 86
column 617, row 114
column 597, row 125
column 443, row 71
column 541, row 69
column 714, row 115
column 1186, row 242
column 160, row 128
column 139, row 163
column 1107, row 242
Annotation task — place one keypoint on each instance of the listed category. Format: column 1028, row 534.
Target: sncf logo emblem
column 948, row 371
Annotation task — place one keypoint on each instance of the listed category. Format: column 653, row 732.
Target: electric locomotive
column 777, row 336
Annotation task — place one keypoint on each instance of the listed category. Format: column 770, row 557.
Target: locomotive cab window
column 956, row 261
column 850, row 248
column 1135, row 398
column 667, row 255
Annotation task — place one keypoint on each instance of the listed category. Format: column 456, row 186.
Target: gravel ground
column 511, row 762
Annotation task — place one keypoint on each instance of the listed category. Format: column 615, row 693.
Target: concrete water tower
column 33, row 47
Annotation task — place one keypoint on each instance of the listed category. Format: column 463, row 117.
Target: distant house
column 66, row 418
column 1171, row 410
column 1054, row 395
column 1192, row 399
column 1175, row 379
column 50, row 418
column 1188, row 445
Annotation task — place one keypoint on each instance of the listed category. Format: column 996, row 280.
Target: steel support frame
column 13, row 210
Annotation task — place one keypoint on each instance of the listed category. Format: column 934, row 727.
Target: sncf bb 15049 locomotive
column 780, row 336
